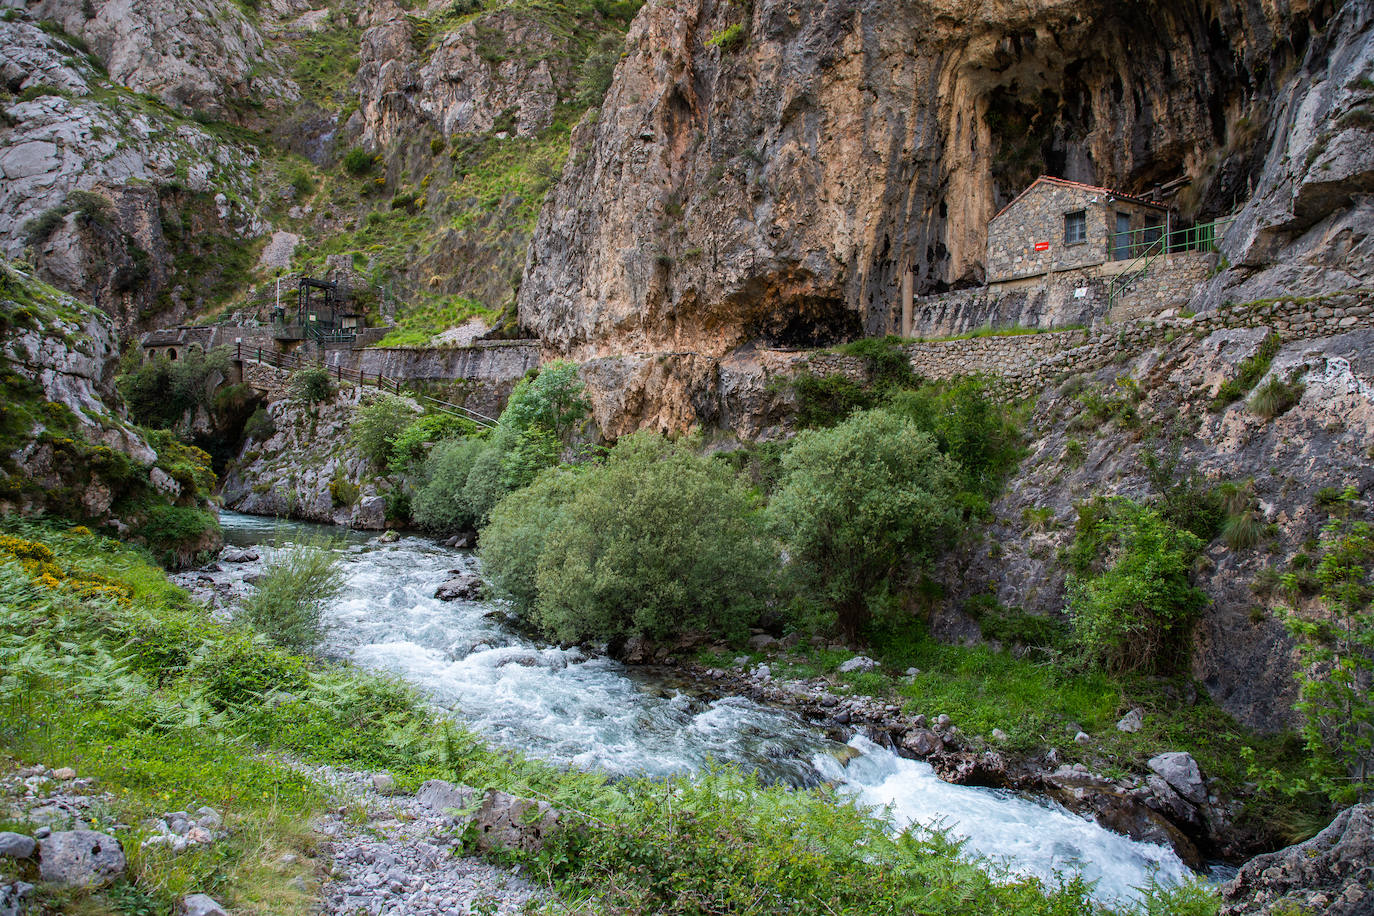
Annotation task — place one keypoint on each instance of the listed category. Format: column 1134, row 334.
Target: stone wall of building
column 1038, row 216
column 1169, row 284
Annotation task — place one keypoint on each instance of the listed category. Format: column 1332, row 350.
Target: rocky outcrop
column 105, row 190
column 307, row 469
column 492, row 73
column 1242, row 655
column 197, row 55
column 1332, row 873
column 81, row 858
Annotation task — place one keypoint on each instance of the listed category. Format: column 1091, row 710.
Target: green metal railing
column 1145, row 246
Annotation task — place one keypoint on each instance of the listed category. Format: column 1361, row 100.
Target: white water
column 568, row 707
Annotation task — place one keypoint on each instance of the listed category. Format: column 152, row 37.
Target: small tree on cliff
column 862, row 505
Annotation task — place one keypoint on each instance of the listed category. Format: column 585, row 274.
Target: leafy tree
column 439, row 503
column 160, row 391
column 655, row 542
column 1336, row 649
column 514, row 540
column 859, row 506
column 552, row 400
column 1131, row 599
column 311, row 385
column 377, row 425
column 413, row 443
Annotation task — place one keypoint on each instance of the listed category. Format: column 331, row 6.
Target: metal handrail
column 1202, row 237
column 291, row 362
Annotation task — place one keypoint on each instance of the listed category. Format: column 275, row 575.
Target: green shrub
column 1336, row 648
column 1252, row 369
column 376, row 426
column 553, row 400
column 438, row 502
column 312, row 385
column 824, row 400
column 1131, row 600
column 239, row 671
column 173, row 531
column 657, row 541
column 860, row 506
column 413, row 442
column 514, row 539
column 260, row 426
column 342, row 491
column 160, row 391
column 358, row 162
column 287, row 606
column 1275, row 397
column 729, row 38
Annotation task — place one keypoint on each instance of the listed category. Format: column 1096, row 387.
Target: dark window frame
column 1075, row 227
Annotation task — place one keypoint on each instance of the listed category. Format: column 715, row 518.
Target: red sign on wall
column 1042, row 246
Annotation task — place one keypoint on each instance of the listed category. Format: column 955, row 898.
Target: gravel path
column 400, row 859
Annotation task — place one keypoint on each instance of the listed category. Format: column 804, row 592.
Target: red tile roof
column 1064, row 182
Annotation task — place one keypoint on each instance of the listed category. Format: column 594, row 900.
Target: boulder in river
column 460, row 588
column 1180, row 770
column 1332, row 873
column 232, row 555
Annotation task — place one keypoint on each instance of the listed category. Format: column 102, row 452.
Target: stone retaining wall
column 1064, row 298
column 1022, row 365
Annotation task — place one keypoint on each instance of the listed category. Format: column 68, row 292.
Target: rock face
column 307, row 469
column 1243, row 658
column 81, row 858
column 197, row 55
column 776, row 186
column 1332, row 873
column 491, row 73
column 95, row 183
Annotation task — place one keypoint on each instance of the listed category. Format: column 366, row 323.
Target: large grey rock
column 1331, row 874
column 922, row 742
column 201, row 905
column 442, row 797
column 857, row 663
column 80, row 858
column 15, row 846
column 460, row 588
column 1180, row 770
column 1132, row 722
column 506, row 822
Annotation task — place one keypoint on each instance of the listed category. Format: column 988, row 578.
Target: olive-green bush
column 655, row 542
column 860, row 508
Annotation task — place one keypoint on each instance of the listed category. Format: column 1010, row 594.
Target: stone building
column 1056, row 225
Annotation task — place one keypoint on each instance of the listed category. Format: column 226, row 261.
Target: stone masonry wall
column 1061, row 299
column 1038, row 216
column 1022, row 365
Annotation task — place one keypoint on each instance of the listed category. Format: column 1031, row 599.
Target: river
column 570, row 707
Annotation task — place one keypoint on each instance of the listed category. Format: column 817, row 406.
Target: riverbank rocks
column 180, row 831
column 922, row 742
column 82, row 858
column 1332, row 873
column 506, row 822
column 858, row 663
column 233, row 555
column 444, row 798
column 16, row 846
column 1180, row 770
column 14, row 898
column 462, row 587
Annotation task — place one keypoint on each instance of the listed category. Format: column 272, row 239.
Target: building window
column 1075, row 227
